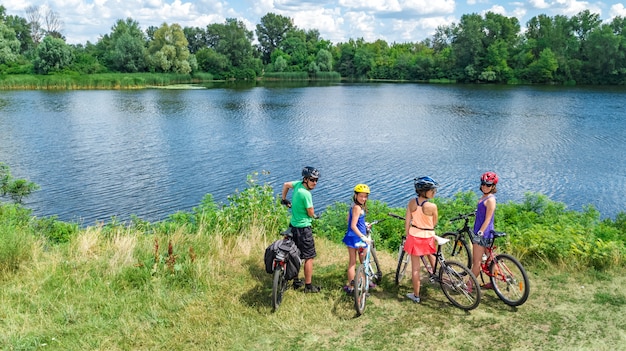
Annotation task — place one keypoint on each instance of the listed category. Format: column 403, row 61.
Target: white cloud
column 360, row 25
column 324, row 20
column 420, row 28
column 497, row 9
column 617, row 10
column 337, row 20
column 539, row 4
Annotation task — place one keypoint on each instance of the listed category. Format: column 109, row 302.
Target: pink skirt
column 420, row 246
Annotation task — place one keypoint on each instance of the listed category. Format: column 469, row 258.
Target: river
column 150, row 153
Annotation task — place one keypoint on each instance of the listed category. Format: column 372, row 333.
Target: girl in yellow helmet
column 355, row 237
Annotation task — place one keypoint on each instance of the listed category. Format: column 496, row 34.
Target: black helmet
column 310, row 172
column 425, row 183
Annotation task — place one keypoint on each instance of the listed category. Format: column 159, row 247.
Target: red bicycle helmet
column 489, row 178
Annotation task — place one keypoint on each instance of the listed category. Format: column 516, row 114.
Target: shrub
column 15, row 248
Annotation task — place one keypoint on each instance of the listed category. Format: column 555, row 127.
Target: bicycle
column 509, row 281
column 457, row 282
column 506, row 274
column 461, row 248
column 280, row 282
column 367, row 272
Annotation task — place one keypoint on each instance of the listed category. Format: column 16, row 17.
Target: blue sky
column 337, row 20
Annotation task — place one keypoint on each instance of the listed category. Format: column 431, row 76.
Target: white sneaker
column 413, row 298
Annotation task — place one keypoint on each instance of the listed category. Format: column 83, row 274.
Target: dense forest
column 479, row 49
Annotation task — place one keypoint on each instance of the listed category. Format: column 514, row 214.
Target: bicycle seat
column 287, row 233
column 440, row 240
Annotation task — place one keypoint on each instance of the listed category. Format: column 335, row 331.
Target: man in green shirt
column 302, row 214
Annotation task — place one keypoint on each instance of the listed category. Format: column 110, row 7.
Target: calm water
column 98, row 154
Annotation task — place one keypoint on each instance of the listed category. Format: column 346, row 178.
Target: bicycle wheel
column 360, row 290
column 403, row 262
column 278, row 287
column 378, row 273
column 457, row 250
column 509, row 280
column 459, row 285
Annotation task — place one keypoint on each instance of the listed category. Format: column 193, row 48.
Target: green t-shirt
column 300, row 201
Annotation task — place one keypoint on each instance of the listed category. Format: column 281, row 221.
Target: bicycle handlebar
column 463, row 216
column 395, row 216
column 376, row 221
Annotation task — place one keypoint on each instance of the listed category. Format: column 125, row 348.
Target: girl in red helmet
column 483, row 225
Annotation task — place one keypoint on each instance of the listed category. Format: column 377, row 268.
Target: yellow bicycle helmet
column 362, row 188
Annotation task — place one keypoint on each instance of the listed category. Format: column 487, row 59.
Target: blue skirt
column 353, row 241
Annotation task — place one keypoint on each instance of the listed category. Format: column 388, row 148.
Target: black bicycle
column 462, row 241
column 282, row 266
column 457, row 281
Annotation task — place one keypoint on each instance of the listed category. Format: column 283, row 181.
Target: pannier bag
column 292, row 257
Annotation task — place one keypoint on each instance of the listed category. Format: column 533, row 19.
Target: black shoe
column 297, row 283
column 309, row 288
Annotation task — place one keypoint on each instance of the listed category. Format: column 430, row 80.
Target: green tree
column 168, row 51
column 124, row 50
column 345, row 58
column 9, row 44
column 52, row 55
column 212, row 61
column 16, row 189
column 468, row 47
column 496, row 61
column 271, row 32
column 324, row 60
column 542, row 70
column 606, row 58
column 295, row 46
column 232, row 40
column 84, row 62
column 280, row 64
column 196, row 37
column 22, row 32
column 556, row 34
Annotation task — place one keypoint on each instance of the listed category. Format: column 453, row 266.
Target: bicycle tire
column 360, row 290
column 278, row 287
column 509, row 280
column 457, row 250
column 378, row 273
column 403, row 262
column 459, row 285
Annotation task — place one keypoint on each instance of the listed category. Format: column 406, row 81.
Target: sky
column 396, row 21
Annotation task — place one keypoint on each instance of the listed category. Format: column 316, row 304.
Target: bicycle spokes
column 509, row 280
column 459, row 285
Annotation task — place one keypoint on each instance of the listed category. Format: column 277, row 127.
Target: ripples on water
column 98, row 154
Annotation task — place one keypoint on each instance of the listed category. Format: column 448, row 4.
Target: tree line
column 489, row 48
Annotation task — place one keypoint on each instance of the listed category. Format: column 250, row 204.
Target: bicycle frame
column 456, row 280
column 365, row 274
column 462, row 240
column 508, row 277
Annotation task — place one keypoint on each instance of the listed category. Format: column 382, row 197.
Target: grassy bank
column 122, row 291
column 196, row 281
column 97, row 81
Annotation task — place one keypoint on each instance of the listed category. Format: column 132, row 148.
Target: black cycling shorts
column 303, row 237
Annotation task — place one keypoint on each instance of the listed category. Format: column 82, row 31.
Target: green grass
column 122, row 290
column 196, row 281
column 98, row 81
